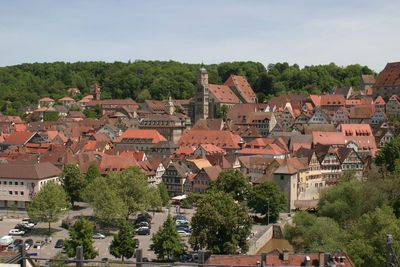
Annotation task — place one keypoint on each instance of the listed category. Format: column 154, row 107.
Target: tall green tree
column 267, row 198
column 48, row 204
column 167, row 242
column 81, row 234
column 73, row 181
column 389, row 156
column 162, row 188
column 132, row 187
column 123, row 245
column 92, row 172
column 232, row 182
column 222, row 112
column 220, row 225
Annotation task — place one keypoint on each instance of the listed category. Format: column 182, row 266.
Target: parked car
column 38, row 244
column 59, row 243
column 184, row 228
column 12, row 247
column 143, row 231
column 22, row 227
column 99, row 236
column 179, row 217
column 143, row 223
column 6, row 240
column 28, row 244
column 183, row 233
column 16, row 232
column 144, row 218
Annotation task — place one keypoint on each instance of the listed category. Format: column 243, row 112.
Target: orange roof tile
column 19, row 138
column 379, row 101
column 223, row 139
column 129, row 136
column 66, row 98
column 223, row 93
column 46, row 99
column 243, row 87
column 389, row 76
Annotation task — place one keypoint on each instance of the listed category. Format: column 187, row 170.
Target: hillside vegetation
column 26, row 83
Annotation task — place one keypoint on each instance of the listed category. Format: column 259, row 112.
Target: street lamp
column 268, row 210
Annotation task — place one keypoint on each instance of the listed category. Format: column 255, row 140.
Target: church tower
column 169, row 105
column 202, row 95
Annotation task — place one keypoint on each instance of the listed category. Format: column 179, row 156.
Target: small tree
column 50, row 116
column 92, row 172
column 48, row 204
column 81, row 234
column 232, row 182
column 73, row 182
column 123, row 245
column 163, row 193
column 167, row 241
column 222, row 112
column 267, row 198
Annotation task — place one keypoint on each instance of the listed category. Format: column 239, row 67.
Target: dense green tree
column 389, row 156
column 81, row 234
column 222, row 112
column 48, row 204
column 73, row 181
column 132, row 188
column 162, row 188
column 267, row 197
column 167, row 242
column 50, row 116
column 92, row 172
column 367, row 238
column 313, row 233
column 220, row 225
column 232, row 182
column 59, row 256
column 123, row 245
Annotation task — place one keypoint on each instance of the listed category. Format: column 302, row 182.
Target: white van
column 6, row 240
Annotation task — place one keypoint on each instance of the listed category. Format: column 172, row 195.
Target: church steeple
column 169, row 104
column 202, row 94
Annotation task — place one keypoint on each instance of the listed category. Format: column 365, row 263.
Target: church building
column 210, row 97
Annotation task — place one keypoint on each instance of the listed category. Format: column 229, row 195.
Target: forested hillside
column 26, row 83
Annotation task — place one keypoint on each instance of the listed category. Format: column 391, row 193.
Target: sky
column 305, row 32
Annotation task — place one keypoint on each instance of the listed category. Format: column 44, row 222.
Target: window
column 16, row 193
column 10, row 193
column 21, row 193
column 15, row 183
column 9, row 183
column 21, row 183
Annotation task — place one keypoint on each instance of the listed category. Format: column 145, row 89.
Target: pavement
column 101, row 245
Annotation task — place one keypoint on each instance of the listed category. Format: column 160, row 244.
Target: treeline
column 26, row 83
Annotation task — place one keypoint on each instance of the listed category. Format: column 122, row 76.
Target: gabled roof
column 390, row 75
column 289, row 166
column 332, row 100
column 243, row 87
column 328, row 138
column 154, row 135
column 223, row 94
column 36, row 171
column 66, row 98
column 19, row 138
column 46, row 99
column 368, row 78
column 209, row 124
column 212, row 172
column 379, row 101
column 212, row 149
column 200, row 163
column 223, row 139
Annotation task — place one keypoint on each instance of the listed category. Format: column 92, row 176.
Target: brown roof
column 223, row 139
column 390, row 75
column 223, row 93
column 35, row 171
column 213, row 172
column 153, row 136
column 19, row 138
column 362, row 112
column 329, row 100
column 243, row 87
column 209, row 124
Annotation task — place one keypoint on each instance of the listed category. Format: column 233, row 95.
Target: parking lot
column 48, row 251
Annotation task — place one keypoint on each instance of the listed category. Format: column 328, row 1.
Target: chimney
column 285, row 254
column 307, row 262
column 263, row 259
column 321, row 259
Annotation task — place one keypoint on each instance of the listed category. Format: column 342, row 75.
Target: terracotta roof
column 289, row 166
column 115, row 162
column 223, row 93
column 361, row 112
column 66, row 98
column 209, row 124
column 315, row 99
column 46, row 99
column 332, row 100
column 213, row 172
column 130, row 135
column 389, row 76
column 88, row 97
column 35, row 171
column 243, row 87
column 309, row 129
column 19, row 138
column 183, row 151
column 212, row 149
column 379, row 101
column 328, row 138
column 200, row 163
column 42, row 109
column 76, row 114
column 245, row 131
column 223, row 139
column 368, row 78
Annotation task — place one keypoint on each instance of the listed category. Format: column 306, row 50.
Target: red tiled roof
column 223, row 93
column 152, row 135
column 212, row 149
column 328, row 138
column 223, row 139
column 379, row 101
column 389, row 76
column 243, row 87
column 46, row 99
column 368, row 78
column 66, row 98
column 332, row 100
column 19, row 138
column 42, row 109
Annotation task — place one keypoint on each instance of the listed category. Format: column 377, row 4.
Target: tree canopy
column 220, row 225
column 48, row 204
column 389, row 156
column 123, row 244
column 140, row 80
column 73, row 181
column 232, row 182
column 167, row 241
column 81, row 234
